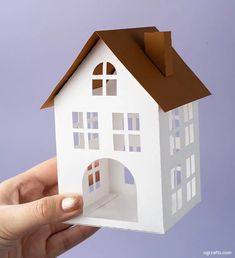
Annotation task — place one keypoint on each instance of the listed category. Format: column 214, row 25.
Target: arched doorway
column 109, row 191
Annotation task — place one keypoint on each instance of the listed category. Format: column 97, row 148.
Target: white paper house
column 126, row 118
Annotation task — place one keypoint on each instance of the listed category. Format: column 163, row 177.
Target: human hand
column 31, row 215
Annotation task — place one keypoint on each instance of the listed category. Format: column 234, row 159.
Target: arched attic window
column 104, row 80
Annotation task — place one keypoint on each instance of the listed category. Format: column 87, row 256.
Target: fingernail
column 71, row 203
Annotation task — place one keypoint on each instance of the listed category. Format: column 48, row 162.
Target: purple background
column 38, row 42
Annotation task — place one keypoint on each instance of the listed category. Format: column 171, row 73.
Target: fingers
column 45, row 172
column 65, row 240
column 30, row 185
column 26, row 217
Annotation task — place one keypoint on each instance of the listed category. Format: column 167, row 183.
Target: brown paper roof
column 128, row 46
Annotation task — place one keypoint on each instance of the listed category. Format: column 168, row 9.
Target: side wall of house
column 145, row 165
column 179, row 134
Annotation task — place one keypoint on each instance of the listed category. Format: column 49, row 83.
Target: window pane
column 97, row 185
column 193, row 164
column 111, row 87
column 191, row 129
column 78, row 140
column 90, row 180
column 134, row 143
column 119, row 142
column 77, row 118
column 172, row 145
column 97, row 176
column 93, row 141
column 193, row 187
column 189, row 191
column 129, row 179
column 186, row 113
column 97, row 87
column 92, row 120
column 186, row 135
column 188, row 167
column 179, row 198
column 118, row 121
column 170, row 120
column 98, row 70
column 97, row 163
column 190, row 111
column 110, row 69
column 178, row 175
column 133, row 121
column 173, row 202
column 173, row 179
column 177, row 141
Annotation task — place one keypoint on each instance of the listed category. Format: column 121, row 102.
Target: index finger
column 45, row 172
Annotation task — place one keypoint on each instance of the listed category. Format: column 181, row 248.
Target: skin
column 31, row 216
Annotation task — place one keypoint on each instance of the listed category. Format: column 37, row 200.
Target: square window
column 77, row 118
column 111, row 87
column 133, row 121
column 93, row 141
column 78, row 140
column 118, row 121
column 119, row 142
column 92, row 120
column 134, row 143
column 97, row 87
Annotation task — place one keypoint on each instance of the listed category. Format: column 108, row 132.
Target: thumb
column 26, row 217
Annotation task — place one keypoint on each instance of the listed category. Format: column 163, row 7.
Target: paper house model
column 126, row 119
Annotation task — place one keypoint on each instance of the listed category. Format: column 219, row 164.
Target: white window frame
column 104, row 77
column 85, row 131
column 127, row 133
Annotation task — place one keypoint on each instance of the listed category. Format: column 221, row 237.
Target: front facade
column 98, row 134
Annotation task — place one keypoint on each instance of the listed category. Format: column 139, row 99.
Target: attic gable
column 128, row 46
